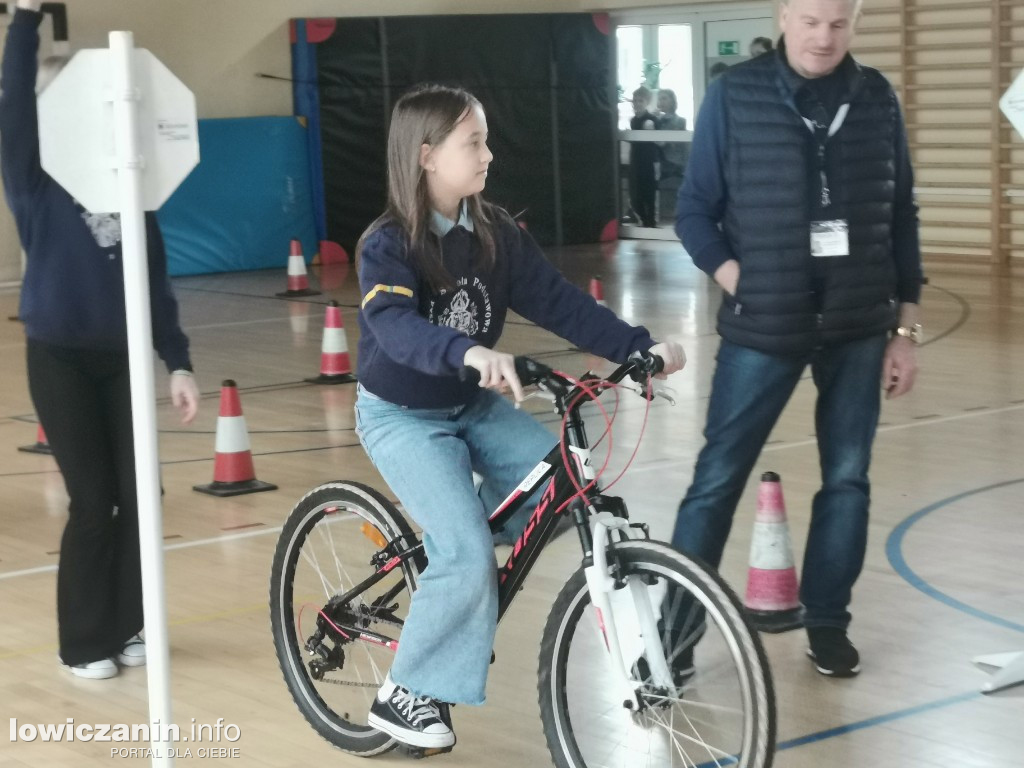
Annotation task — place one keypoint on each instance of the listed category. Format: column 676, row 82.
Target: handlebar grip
column 645, row 364
column 529, row 371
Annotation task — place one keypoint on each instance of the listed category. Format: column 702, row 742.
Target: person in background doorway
column 813, row 239
column 643, row 157
column 673, row 153
column 73, row 308
column 760, row 45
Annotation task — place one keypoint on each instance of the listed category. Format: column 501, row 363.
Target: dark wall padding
column 544, row 82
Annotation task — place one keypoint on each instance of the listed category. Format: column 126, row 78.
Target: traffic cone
column 41, row 446
column 773, row 596
column 597, row 291
column 335, row 367
column 298, row 282
column 233, row 473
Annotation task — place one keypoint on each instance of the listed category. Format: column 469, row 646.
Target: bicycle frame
column 606, row 514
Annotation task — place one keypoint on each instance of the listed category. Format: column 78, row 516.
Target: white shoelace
column 415, row 710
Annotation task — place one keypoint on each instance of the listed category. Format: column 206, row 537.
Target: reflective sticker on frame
column 534, row 476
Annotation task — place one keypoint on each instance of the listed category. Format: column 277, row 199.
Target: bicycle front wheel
column 335, row 654
column 720, row 709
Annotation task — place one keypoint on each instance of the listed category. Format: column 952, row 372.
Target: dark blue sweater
column 413, row 340
column 73, row 291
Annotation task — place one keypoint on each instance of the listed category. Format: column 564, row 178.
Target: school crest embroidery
column 467, row 309
column 461, row 314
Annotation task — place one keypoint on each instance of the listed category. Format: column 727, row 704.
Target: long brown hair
column 427, row 115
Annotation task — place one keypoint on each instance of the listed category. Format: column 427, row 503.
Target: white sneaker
column 94, row 670
column 133, row 652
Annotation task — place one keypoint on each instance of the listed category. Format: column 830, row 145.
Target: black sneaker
column 410, row 719
column 681, row 666
column 832, row 652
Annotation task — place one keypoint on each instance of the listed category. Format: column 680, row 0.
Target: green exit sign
column 728, row 47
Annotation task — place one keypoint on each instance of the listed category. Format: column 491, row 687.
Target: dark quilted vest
column 779, row 306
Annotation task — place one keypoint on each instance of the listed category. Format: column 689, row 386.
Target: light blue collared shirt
column 441, row 225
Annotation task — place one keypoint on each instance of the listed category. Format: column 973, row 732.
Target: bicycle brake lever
column 540, row 394
column 667, row 393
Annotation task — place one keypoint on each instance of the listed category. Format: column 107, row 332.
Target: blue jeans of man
column 748, row 392
column 427, row 456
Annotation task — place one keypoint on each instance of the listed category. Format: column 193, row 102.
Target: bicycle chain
column 378, row 620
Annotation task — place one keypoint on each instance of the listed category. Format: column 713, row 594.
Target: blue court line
column 894, row 551
column 860, row 725
column 877, row 720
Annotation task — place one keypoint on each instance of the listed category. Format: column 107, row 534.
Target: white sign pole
column 140, row 352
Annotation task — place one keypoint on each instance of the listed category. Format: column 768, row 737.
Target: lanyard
column 823, row 133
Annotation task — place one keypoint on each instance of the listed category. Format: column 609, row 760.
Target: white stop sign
column 76, row 130
column 1012, row 104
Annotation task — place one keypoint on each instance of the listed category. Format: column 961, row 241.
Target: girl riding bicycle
column 438, row 272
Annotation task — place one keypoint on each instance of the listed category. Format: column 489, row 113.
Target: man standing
column 798, row 202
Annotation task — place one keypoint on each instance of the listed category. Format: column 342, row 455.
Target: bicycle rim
column 724, row 714
column 325, row 549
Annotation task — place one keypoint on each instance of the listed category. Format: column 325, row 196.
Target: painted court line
column 167, row 548
column 667, row 463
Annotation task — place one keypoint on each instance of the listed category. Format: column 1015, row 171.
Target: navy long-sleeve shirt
column 73, row 291
column 703, row 199
column 413, row 340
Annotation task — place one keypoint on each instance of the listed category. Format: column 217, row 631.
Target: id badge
column 830, row 238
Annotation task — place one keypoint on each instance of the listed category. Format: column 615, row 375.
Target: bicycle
column 620, row 685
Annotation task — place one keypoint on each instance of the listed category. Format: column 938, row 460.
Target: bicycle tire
column 346, row 730
column 567, row 741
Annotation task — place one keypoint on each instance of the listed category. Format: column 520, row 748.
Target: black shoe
column 410, row 719
column 682, row 668
column 832, row 652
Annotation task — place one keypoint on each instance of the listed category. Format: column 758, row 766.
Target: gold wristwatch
column 912, row 332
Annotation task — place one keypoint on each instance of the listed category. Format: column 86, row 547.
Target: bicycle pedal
column 418, row 753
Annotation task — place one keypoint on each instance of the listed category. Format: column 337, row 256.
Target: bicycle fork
column 625, row 616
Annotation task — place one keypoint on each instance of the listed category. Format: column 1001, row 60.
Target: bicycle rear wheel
column 325, row 549
column 722, row 712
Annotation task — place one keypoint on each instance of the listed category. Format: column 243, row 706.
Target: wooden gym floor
column 942, row 582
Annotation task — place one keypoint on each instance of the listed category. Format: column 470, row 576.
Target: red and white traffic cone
column 597, row 291
column 233, row 472
column 773, row 595
column 335, row 366
column 298, row 282
column 41, row 445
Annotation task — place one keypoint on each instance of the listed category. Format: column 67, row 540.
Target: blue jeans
column 427, row 456
column 748, row 393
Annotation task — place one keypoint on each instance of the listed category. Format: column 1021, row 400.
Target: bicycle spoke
column 326, row 547
column 706, row 718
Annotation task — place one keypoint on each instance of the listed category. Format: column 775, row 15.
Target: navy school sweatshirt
column 413, row 340
column 73, row 291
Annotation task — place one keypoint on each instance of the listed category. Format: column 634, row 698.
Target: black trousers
column 642, row 191
column 83, row 400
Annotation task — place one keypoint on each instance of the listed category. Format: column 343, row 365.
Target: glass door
column 664, row 60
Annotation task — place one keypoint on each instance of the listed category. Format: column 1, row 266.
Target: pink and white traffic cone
column 773, row 595
column 42, row 445
column 298, row 281
column 233, row 472
column 335, row 365
column 597, row 291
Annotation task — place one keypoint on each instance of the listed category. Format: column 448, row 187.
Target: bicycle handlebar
column 639, row 366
